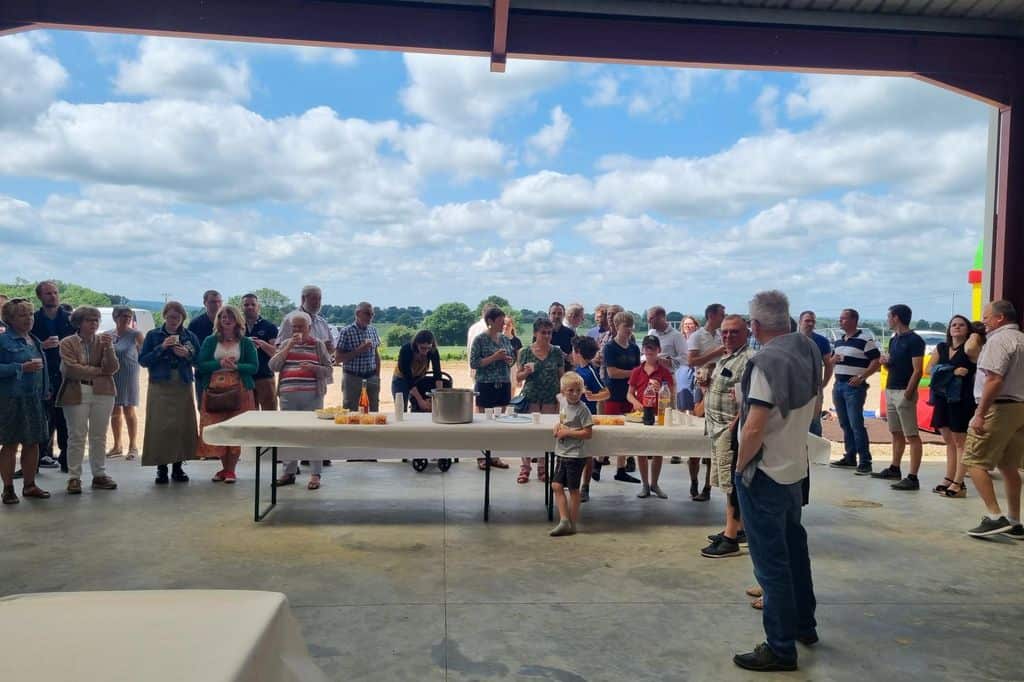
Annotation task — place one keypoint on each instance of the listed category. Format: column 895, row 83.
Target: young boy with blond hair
column 575, row 425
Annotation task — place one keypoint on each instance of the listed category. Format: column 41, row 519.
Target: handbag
column 224, row 394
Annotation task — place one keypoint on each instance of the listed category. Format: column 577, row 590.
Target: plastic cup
column 535, row 416
column 669, row 416
column 509, row 411
column 489, row 412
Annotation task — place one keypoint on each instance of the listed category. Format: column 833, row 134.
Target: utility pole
column 166, row 296
column 952, row 308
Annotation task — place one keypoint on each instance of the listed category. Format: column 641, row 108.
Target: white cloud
column 660, row 93
column 766, row 106
column 431, row 149
column 616, row 231
column 183, row 69
column 605, row 92
column 547, row 142
column 549, row 194
column 30, row 79
column 338, row 56
column 461, row 93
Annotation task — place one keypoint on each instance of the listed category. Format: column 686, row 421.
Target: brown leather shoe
column 103, row 483
column 74, row 486
column 34, row 491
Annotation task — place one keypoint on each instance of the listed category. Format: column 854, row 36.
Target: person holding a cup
column 540, row 367
column 170, row 438
column 88, row 364
column 24, row 386
column 51, row 324
column 490, row 356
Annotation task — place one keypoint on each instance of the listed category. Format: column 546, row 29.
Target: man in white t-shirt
column 702, row 349
column 475, row 330
column 673, row 344
column 779, row 394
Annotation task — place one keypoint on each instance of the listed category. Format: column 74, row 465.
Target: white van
column 143, row 320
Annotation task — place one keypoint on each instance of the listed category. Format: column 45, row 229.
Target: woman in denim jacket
column 24, row 385
column 171, row 433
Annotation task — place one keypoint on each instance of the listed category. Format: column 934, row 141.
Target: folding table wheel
column 419, row 464
column 444, row 464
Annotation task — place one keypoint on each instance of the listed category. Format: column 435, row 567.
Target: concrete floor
column 394, row 576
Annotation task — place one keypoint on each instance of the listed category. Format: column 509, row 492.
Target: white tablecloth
column 418, row 433
column 173, row 635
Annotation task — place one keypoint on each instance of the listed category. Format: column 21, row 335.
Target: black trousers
column 56, row 422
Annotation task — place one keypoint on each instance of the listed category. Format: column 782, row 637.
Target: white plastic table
column 267, row 431
column 195, row 635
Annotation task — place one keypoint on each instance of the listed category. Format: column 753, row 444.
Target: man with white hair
column 320, row 329
column 995, row 439
column 574, row 317
column 359, row 352
column 779, row 392
column 311, row 301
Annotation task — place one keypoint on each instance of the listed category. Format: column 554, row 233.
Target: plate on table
column 514, row 419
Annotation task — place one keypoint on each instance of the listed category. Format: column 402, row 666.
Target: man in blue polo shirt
column 856, row 357
column 808, row 320
column 263, row 333
column 904, row 361
column 51, row 325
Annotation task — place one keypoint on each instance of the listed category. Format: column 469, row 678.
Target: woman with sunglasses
column 24, row 385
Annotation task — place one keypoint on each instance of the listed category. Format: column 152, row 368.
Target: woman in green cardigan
column 225, row 368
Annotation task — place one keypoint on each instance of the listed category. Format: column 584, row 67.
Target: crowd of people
column 758, row 381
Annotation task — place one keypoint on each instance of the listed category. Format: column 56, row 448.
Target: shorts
column 900, row 413
column 569, row 471
column 617, row 407
column 722, row 456
column 1003, row 440
column 492, row 394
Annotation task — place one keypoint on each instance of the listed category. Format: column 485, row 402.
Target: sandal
column 34, row 491
column 755, row 591
column 132, row 453
column 524, row 474
column 758, row 604
column 114, row 452
column 498, row 463
column 9, row 496
column 314, row 483
column 940, row 489
column 961, row 493
column 481, row 464
column 287, row 479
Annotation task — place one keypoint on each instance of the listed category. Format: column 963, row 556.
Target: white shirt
column 223, row 351
column 475, row 330
column 703, row 341
column 784, row 454
column 673, row 345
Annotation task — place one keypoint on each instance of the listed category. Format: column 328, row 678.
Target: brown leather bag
column 224, row 394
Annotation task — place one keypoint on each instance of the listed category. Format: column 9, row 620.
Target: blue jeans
column 849, row 403
column 782, row 565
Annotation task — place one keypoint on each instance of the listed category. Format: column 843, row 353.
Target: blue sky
column 142, row 166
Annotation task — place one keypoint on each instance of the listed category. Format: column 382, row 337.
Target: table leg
column 549, row 457
column 260, row 451
column 487, row 485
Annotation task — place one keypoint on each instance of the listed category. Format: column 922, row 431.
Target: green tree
column 496, row 300
column 938, row 326
column 399, row 335
column 406, row 319
column 70, row 293
column 273, row 304
column 450, row 322
column 674, row 316
column 922, row 324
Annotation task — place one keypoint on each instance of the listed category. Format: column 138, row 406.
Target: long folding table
column 268, row 431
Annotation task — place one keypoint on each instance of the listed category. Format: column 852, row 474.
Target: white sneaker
column 656, row 489
column 645, row 491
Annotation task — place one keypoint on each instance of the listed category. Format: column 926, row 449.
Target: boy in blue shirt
column 584, row 350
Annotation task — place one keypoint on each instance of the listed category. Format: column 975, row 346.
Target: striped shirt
column 294, row 378
column 854, row 353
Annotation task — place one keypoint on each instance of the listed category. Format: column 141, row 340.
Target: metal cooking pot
column 451, row 405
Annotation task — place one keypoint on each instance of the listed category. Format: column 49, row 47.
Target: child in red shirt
column 650, row 370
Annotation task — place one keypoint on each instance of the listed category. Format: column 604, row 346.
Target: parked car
column 143, row 320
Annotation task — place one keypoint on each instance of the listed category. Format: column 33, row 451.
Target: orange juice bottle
column 364, row 400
